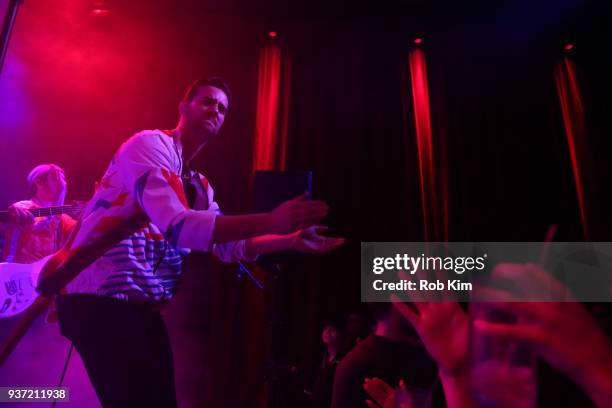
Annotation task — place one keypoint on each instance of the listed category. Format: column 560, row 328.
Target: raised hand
column 562, row 333
column 443, row 329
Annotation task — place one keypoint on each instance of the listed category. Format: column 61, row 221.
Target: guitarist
column 30, row 238
column 42, row 351
column 111, row 312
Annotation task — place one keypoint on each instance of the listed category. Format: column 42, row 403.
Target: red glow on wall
column 573, row 121
column 266, row 122
column 431, row 206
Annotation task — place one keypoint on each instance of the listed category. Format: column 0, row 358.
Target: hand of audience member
column 386, row 396
column 562, row 333
column 443, row 329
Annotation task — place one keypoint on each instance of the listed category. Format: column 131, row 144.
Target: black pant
column 125, row 349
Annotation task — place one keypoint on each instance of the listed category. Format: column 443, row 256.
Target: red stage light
column 569, row 47
column 267, row 143
column 100, row 8
column 272, row 34
column 573, row 116
column 100, row 12
column 418, row 40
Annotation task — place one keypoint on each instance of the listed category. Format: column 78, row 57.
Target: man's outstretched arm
column 145, row 163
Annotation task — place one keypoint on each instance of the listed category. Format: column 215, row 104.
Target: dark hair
column 216, row 82
column 335, row 322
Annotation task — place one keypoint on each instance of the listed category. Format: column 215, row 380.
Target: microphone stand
column 274, row 368
column 240, row 271
column 7, row 28
column 243, row 270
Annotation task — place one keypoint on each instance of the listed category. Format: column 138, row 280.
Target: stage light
column 418, row 40
column 272, row 34
column 100, row 12
column 100, row 8
column 569, row 46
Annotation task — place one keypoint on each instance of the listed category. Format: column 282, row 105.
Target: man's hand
column 289, row 217
column 296, row 214
column 443, row 329
column 19, row 215
column 308, row 240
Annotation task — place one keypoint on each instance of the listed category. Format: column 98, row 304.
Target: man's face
column 330, row 335
column 205, row 112
column 52, row 185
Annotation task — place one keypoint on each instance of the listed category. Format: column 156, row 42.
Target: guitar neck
column 44, row 212
column 47, row 211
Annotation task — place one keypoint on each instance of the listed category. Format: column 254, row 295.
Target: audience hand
column 386, row 396
column 562, row 333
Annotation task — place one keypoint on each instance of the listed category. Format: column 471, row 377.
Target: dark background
column 75, row 85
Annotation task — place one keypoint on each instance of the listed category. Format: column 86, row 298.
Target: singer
column 111, row 311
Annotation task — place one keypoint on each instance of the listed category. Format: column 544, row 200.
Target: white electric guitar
column 18, row 289
column 18, row 281
column 18, row 292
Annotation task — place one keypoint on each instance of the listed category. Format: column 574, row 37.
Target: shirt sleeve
column 145, row 164
column 230, row 251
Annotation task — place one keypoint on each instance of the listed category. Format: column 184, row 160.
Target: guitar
column 18, row 294
column 19, row 281
column 18, row 289
column 73, row 209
